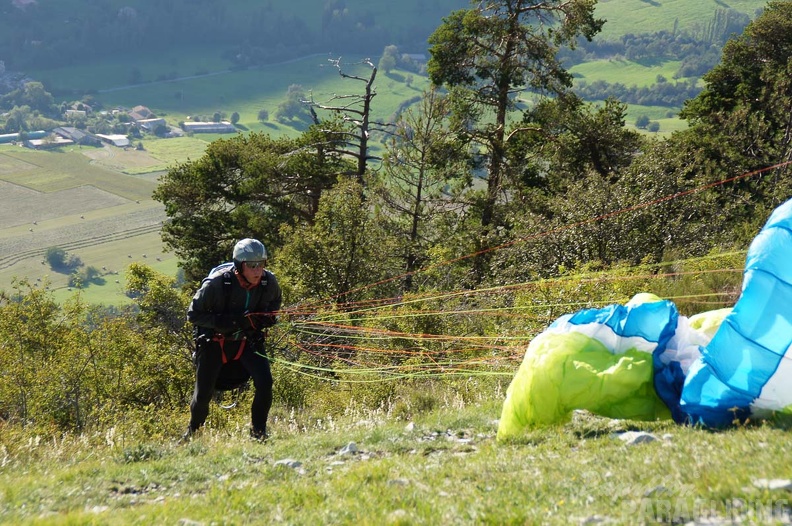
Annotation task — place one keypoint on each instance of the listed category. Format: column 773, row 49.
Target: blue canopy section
column 713, row 369
column 744, row 368
column 645, row 318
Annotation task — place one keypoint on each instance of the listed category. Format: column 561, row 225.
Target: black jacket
column 220, row 299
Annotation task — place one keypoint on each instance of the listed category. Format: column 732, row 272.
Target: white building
column 115, row 140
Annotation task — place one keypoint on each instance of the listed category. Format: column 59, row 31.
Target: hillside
column 37, row 35
column 440, row 466
column 191, row 79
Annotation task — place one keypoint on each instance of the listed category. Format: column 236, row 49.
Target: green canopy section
column 563, row 372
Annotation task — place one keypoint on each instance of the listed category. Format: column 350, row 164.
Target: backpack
column 227, row 269
column 228, row 275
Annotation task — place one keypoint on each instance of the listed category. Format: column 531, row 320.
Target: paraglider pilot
column 231, row 311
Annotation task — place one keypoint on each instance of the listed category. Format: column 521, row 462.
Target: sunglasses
column 255, row 264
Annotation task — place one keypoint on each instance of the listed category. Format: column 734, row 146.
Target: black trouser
column 210, row 367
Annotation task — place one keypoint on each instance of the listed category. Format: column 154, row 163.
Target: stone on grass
column 349, row 449
column 773, row 484
column 289, row 463
column 632, row 438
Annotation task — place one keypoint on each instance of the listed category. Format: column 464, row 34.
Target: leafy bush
column 73, row 366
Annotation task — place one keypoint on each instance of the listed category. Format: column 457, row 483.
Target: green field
column 66, row 199
column 647, row 16
column 245, row 92
column 618, row 70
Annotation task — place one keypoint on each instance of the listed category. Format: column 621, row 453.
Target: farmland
column 644, row 16
column 62, row 199
column 96, row 204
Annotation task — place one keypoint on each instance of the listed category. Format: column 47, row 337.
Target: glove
column 255, row 340
column 230, row 323
column 261, row 321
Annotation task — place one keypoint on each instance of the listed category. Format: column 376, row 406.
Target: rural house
column 50, row 141
column 140, row 113
column 75, row 114
column 78, row 136
column 116, row 140
column 151, row 125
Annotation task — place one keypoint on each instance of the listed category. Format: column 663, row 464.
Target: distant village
column 142, row 119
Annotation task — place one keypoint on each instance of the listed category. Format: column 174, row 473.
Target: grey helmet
column 249, row 250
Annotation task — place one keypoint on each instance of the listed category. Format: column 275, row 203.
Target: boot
column 259, row 435
column 187, row 436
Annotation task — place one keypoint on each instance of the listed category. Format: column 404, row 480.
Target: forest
column 38, row 35
column 477, row 203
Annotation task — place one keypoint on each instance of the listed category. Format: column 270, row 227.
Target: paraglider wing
column 745, row 370
column 595, row 359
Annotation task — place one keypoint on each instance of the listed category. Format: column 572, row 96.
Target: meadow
column 245, row 92
column 427, row 466
column 62, row 199
column 645, row 16
column 622, row 71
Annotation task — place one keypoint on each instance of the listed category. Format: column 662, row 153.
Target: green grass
column 110, row 289
column 67, row 168
column 65, row 199
column 117, row 71
column 446, row 468
column 624, row 72
column 170, row 152
column 648, row 16
column 110, row 258
column 247, row 92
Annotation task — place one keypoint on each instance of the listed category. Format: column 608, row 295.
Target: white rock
column 349, row 449
column 632, row 438
column 773, row 484
column 289, row 463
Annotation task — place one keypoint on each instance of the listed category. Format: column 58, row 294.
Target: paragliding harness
column 234, row 377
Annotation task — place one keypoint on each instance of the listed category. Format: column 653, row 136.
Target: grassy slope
column 446, row 468
column 645, row 16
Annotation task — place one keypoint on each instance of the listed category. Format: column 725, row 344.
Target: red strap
column 220, row 339
column 241, row 348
